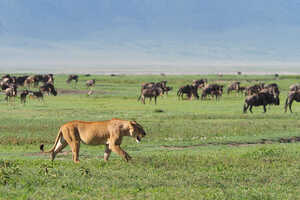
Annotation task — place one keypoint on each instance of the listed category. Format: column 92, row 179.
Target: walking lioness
column 109, row 133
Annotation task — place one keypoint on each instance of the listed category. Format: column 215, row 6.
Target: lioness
column 108, row 132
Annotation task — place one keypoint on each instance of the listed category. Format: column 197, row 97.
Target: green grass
column 188, row 153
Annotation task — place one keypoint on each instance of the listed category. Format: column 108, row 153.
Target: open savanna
column 193, row 149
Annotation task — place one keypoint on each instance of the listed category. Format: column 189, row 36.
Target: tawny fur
column 109, row 133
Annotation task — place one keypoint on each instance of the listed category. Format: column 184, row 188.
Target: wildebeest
column 212, row 90
column 235, row 86
column 72, row 77
column 23, row 95
column 254, row 89
column 48, row 88
column 11, row 91
column 189, row 90
column 199, row 83
column 36, row 94
column 295, row 87
column 90, row 83
column 21, row 80
column 167, row 89
column 5, row 85
column 263, row 98
column 30, row 81
column 161, row 84
column 150, row 93
column 292, row 96
column 241, row 89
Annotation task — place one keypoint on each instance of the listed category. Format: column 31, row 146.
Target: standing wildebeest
column 292, row 96
column 49, row 89
column 235, row 86
column 241, row 89
column 46, row 78
column 90, row 83
column 72, row 77
column 30, row 81
column 213, row 90
column 11, row 91
column 162, row 85
column 262, row 98
column 199, row 83
column 21, row 80
column 149, row 93
column 23, row 95
column 36, row 94
column 167, row 89
column 189, row 90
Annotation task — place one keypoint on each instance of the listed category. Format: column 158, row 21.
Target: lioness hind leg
column 73, row 139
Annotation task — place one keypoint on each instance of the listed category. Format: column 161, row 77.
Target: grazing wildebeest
column 36, row 94
column 263, row 98
column 72, row 77
column 212, row 90
column 189, row 90
column 48, row 88
column 233, row 87
column 150, row 93
column 23, row 96
column 11, row 91
column 90, row 83
column 292, row 96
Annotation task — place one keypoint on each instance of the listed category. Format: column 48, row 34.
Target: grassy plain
column 193, row 149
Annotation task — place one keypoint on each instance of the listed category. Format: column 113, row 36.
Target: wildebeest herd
column 256, row 95
column 36, row 86
column 10, row 84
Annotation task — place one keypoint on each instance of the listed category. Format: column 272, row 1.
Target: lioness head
column 136, row 130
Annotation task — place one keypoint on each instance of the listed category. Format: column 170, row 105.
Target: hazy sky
column 195, row 33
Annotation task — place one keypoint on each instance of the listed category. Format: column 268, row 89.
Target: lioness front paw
column 127, row 157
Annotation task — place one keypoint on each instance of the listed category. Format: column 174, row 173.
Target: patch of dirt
column 75, row 91
column 237, row 144
column 43, row 153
